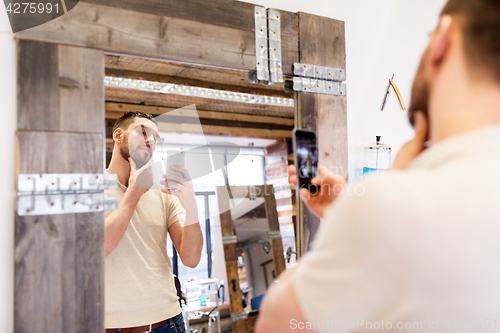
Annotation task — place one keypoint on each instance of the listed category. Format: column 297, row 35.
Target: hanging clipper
column 396, row 90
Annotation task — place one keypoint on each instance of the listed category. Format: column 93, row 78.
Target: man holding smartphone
column 419, row 250
column 140, row 293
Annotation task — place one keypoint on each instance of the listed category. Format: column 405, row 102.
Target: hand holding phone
column 319, row 189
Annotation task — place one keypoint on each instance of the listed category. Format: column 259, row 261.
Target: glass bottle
column 377, row 157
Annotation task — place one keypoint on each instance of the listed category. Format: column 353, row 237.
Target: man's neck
column 119, row 166
column 470, row 106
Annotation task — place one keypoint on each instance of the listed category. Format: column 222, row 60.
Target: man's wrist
column 191, row 217
column 134, row 192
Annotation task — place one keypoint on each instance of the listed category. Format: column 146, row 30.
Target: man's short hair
column 128, row 118
column 480, row 24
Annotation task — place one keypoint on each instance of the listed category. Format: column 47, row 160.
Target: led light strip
column 170, row 88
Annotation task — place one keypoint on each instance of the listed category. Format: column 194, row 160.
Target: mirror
column 256, row 269
column 253, row 248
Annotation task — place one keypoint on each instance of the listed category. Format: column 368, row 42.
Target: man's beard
column 125, row 153
column 419, row 92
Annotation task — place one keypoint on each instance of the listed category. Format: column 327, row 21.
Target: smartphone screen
column 306, row 158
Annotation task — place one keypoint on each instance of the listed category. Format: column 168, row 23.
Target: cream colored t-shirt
column 139, row 284
column 416, row 250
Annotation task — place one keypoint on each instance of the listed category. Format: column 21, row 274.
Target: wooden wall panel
column 56, row 152
column 59, row 88
column 81, row 89
column 289, row 41
column 59, row 259
column 322, row 42
column 224, row 13
column 188, row 31
column 45, row 293
column 37, row 76
column 89, row 272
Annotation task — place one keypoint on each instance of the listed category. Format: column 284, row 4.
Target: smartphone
column 162, row 166
column 305, row 151
column 174, row 157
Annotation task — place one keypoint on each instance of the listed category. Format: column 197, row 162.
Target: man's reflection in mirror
column 140, row 294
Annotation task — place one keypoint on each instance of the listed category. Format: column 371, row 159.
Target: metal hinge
column 268, row 45
column 239, row 316
column 229, row 239
column 50, row 194
column 319, row 79
column 273, row 234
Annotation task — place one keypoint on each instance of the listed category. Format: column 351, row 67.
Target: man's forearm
column 192, row 240
column 116, row 223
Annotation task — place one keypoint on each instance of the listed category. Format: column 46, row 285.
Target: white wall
column 7, row 193
column 383, row 37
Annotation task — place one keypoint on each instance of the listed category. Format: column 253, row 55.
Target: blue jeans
column 174, row 325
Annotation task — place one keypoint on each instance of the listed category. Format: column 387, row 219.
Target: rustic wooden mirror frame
column 59, row 259
column 240, row 321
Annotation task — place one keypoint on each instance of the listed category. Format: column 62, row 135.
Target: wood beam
column 59, row 259
column 257, row 89
column 132, row 96
column 224, row 13
column 217, row 75
column 262, row 133
column 322, row 42
column 115, row 110
column 160, row 33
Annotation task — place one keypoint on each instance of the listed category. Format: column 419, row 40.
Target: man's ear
column 441, row 41
column 118, row 135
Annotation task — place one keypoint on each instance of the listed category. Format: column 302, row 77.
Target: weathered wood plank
column 53, row 152
column 44, row 281
column 52, row 294
column 81, row 85
column 271, row 212
column 289, row 41
column 59, row 259
column 225, row 13
column 225, row 131
column 322, row 42
column 89, row 272
column 278, row 257
column 37, row 76
column 276, row 147
column 159, row 36
column 150, row 98
column 257, row 89
column 115, row 110
column 67, row 82
column 230, row 124
column 125, row 31
column 189, row 74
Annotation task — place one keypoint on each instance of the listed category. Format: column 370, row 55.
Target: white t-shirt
column 139, row 284
column 418, row 250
